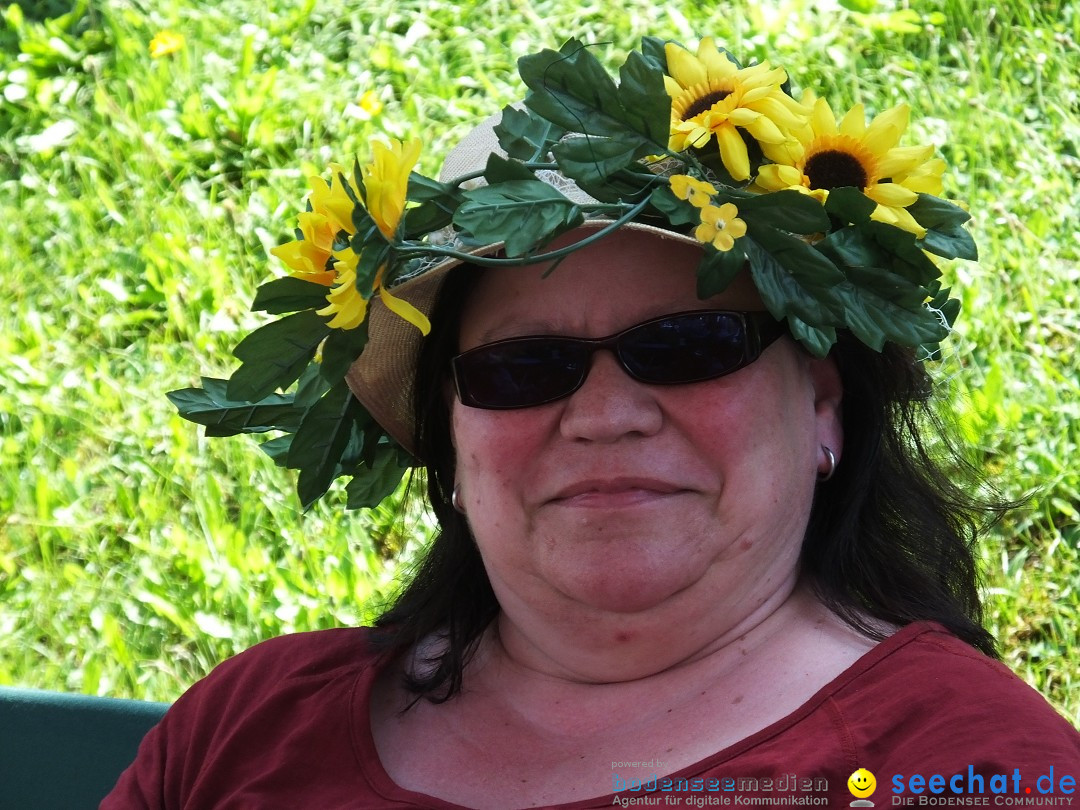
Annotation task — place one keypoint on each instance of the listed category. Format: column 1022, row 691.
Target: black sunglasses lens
column 518, row 374
column 685, row 348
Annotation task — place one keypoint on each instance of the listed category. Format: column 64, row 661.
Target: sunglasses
column 686, row 347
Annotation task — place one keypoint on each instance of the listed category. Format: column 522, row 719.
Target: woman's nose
column 610, row 404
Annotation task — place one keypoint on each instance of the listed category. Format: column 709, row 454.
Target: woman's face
column 626, row 497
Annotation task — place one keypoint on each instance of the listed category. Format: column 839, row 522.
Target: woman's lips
column 616, row 493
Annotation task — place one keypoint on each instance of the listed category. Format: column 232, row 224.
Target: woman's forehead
column 596, row 291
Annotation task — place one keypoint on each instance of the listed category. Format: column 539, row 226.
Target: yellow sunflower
column 867, row 157
column 386, row 181
column 307, row 256
column 712, row 97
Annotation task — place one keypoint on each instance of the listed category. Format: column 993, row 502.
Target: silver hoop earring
column 455, row 500
column 830, row 457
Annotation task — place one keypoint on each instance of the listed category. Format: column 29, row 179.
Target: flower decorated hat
column 836, row 220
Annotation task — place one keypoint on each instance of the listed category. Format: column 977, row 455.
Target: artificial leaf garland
column 833, row 217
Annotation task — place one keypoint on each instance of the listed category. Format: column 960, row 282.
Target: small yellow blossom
column 370, row 103
column 697, row 192
column 164, row 43
column 720, row 226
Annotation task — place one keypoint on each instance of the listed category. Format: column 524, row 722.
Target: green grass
column 139, row 198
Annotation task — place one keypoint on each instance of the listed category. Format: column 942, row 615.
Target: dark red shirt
column 286, row 725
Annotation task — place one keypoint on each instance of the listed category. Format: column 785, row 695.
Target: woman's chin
column 622, row 588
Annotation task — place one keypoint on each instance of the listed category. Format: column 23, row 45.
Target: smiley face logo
column 861, row 783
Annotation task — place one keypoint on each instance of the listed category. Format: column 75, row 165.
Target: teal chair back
column 65, row 752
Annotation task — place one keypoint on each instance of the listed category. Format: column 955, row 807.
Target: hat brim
column 382, row 377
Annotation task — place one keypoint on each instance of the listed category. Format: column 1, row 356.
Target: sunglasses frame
column 760, row 330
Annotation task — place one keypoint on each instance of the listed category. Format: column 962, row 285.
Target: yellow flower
column 164, row 43
column 386, row 181
column 867, row 157
column 332, row 200
column 308, row 256
column 720, row 226
column 697, row 192
column 712, row 97
column 369, row 103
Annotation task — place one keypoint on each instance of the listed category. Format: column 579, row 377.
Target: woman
column 692, row 548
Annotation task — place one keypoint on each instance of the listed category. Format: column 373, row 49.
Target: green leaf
column 320, row 441
column 678, row 212
column 784, row 210
column 793, row 278
column 438, row 203
column 432, row 215
column 653, row 49
column 849, row 204
column 644, row 98
column 932, row 212
column 881, row 306
column 423, row 189
column 372, row 258
column 948, row 309
column 524, row 213
column 718, row 269
column 817, row 340
column 289, row 294
column 371, row 485
column 211, row 407
column 274, row 355
column 629, row 185
column 501, row 170
column 278, row 449
column 591, row 160
column 526, row 136
column 951, row 241
column 340, row 351
column 875, row 244
column 571, row 89
column 310, row 386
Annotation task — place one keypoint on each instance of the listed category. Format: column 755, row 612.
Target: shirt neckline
column 368, row 761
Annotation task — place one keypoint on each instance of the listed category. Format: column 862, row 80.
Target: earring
column 455, row 500
column 830, row 457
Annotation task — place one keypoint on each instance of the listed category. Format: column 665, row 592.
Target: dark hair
column 890, row 539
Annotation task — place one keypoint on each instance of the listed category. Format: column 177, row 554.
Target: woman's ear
column 828, row 403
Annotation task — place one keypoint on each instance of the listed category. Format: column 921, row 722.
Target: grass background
column 139, row 197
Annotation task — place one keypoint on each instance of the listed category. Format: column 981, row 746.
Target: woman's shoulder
column 277, row 672
column 924, row 688
column 281, row 711
column 311, row 654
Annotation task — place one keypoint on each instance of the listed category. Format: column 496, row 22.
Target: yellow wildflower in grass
column 867, row 157
column 712, row 97
column 164, row 43
column 720, row 226
column 697, row 192
column 370, row 103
